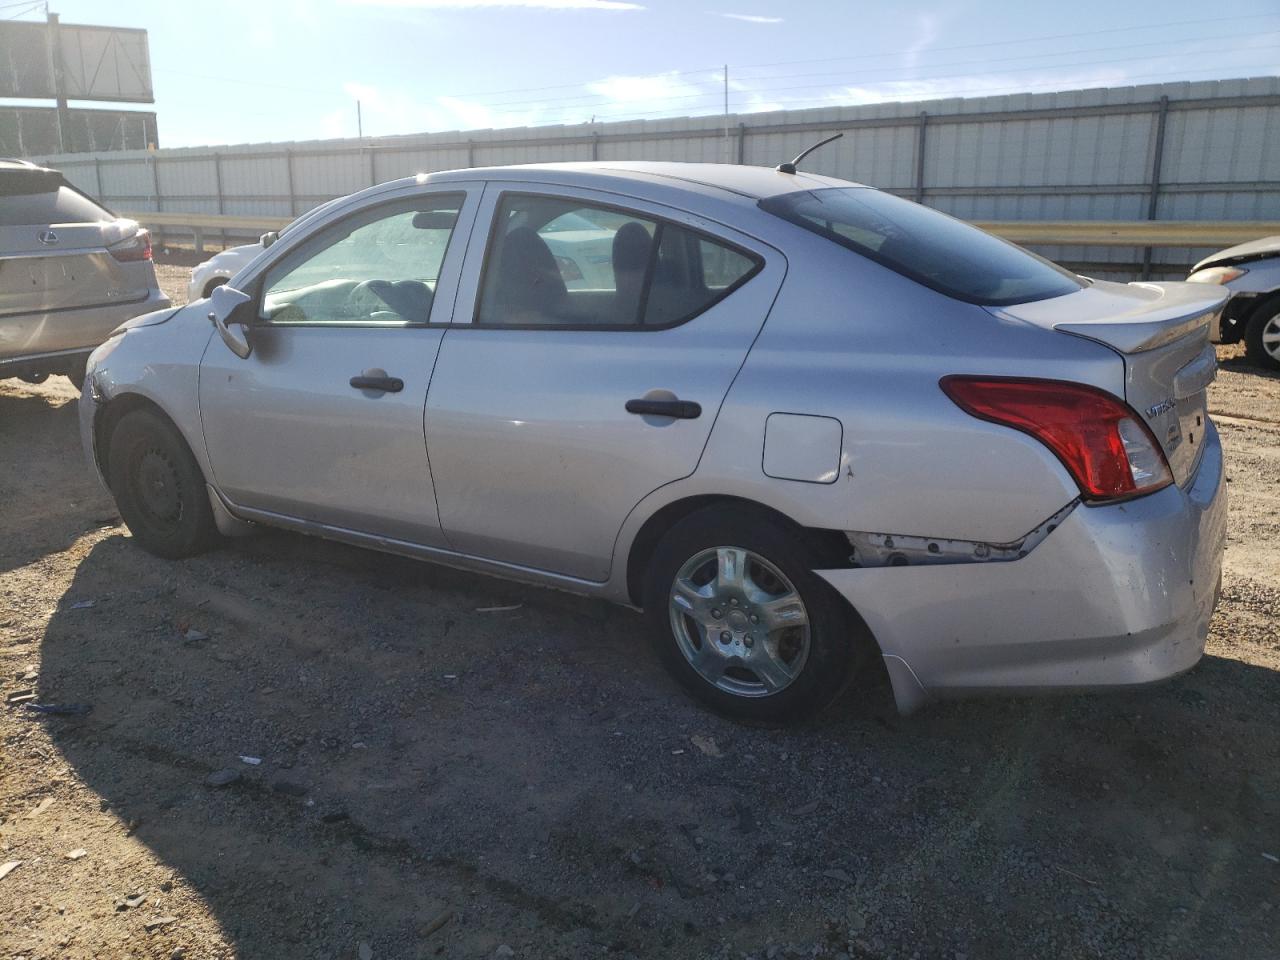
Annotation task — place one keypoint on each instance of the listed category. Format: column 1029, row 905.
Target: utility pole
column 359, row 122
column 55, row 68
column 727, row 154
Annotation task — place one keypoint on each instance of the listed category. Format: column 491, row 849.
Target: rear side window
column 560, row 262
column 943, row 253
column 36, row 198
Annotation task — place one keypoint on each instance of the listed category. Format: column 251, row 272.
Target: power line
column 1063, row 66
column 994, row 43
column 590, row 99
column 686, row 72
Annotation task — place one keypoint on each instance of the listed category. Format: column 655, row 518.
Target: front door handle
column 384, row 383
column 678, row 409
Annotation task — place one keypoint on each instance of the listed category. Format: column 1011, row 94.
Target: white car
column 220, row 268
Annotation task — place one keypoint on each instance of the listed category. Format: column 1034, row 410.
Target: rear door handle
column 678, row 409
column 387, row 384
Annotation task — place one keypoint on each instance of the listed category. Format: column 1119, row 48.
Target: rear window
column 932, row 248
column 37, row 197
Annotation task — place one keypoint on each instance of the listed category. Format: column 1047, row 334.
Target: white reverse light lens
column 1146, row 462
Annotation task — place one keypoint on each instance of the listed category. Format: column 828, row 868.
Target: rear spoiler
column 1153, row 326
column 15, row 181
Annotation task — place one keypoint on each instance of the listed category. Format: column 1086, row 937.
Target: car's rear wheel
column 158, row 487
column 741, row 620
column 1262, row 336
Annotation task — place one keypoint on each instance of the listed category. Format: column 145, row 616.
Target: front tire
column 1262, row 336
column 159, row 488
column 740, row 619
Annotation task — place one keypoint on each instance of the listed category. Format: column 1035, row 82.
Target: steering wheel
column 381, row 289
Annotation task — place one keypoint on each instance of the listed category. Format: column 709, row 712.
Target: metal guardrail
column 1133, row 233
column 1102, row 233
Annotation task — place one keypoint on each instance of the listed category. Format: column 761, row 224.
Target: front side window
column 377, row 267
column 949, row 255
column 561, row 262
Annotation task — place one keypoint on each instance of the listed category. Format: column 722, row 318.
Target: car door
column 579, row 386
column 323, row 421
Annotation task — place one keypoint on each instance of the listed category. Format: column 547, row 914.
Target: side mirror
column 226, row 305
column 268, row 238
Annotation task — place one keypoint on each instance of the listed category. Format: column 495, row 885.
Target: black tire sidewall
column 833, row 649
column 194, row 530
column 1253, row 348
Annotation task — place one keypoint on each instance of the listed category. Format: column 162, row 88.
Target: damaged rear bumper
column 1116, row 595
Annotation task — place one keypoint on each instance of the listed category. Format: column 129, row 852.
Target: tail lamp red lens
column 137, row 247
column 1099, row 438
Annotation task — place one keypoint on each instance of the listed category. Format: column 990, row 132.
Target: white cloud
column 491, row 4
column 751, row 18
column 389, row 112
column 926, row 34
column 974, row 86
column 632, row 90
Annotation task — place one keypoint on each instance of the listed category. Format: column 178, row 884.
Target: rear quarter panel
column 852, row 340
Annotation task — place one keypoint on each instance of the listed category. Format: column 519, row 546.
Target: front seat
column 631, row 249
column 528, row 287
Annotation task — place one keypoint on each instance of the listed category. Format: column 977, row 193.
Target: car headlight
column 1218, row 275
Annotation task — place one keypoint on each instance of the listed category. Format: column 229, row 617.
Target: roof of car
column 12, row 163
column 753, row 183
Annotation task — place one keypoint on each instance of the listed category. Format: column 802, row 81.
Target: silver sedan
column 805, row 426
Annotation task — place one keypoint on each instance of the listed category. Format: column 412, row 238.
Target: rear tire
column 1262, row 336
column 159, row 488
column 740, row 619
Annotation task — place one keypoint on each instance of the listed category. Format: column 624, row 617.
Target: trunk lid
column 64, row 266
column 1161, row 330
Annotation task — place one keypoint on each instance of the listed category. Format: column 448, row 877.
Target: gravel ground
column 437, row 780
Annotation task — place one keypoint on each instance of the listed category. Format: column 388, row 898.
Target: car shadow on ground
column 1241, row 365
column 439, row 744
column 39, row 435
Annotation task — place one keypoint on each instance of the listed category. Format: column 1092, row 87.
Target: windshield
column 949, row 255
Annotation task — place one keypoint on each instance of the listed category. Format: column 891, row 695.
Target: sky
column 247, row 71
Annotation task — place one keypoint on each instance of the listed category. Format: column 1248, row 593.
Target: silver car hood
column 1253, row 250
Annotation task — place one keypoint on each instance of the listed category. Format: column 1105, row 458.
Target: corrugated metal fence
column 1179, row 151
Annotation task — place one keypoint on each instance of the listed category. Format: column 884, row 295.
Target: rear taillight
column 1099, row 438
column 137, row 247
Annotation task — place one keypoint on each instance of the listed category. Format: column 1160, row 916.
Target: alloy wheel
column 739, row 621
column 1271, row 337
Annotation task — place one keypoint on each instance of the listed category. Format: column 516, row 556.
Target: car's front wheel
column 1262, row 336
column 158, row 487
column 739, row 617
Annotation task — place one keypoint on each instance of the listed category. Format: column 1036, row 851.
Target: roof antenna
column 791, row 167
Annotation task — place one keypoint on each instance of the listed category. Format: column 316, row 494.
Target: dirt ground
column 440, row 778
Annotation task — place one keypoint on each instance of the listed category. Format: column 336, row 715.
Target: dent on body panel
column 162, row 364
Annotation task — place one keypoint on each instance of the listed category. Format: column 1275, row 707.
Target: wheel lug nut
column 754, row 618
column 717, row 613
column 734, row 601
column 725, row 636
column 749, row 640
